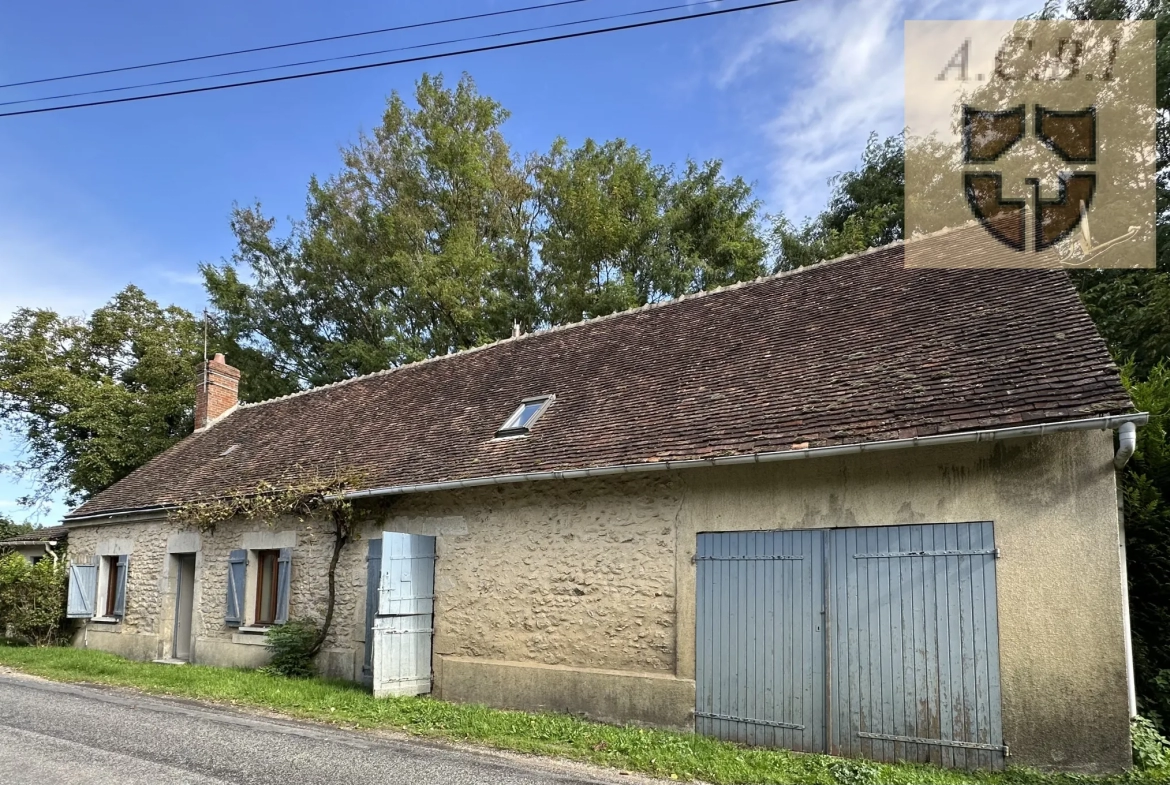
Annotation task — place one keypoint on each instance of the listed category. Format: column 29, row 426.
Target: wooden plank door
column 404, row 623
column 760, row 638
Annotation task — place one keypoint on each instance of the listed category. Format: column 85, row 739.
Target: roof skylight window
column 525, row 416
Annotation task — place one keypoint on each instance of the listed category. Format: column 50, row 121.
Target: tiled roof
column 37, row 536
column 855, row 350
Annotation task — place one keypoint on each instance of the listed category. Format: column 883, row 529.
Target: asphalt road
column 53, row 734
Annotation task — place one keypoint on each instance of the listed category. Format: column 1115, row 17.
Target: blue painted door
column 760, row 638
column 915, row 645
column 403, row 622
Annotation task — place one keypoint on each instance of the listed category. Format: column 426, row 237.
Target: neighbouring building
column 853, row 508
column 44, row 543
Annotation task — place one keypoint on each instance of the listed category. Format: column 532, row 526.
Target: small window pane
column 523, row 418
column 111, row 584
column 527, row 413
column 266, row 586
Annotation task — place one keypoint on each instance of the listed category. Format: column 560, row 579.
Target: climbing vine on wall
column 305, row 495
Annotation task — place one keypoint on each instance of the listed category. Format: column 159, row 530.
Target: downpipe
column 1127, row 442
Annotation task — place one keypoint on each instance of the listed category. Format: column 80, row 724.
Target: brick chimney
column 217, row 388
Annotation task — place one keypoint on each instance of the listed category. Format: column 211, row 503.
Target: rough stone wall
column 310, row 562
column 147, row 549
column 577, row 573
column 146, row 588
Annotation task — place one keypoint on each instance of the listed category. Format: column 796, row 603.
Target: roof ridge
column 571, row 325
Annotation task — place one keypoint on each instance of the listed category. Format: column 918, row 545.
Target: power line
column 401, row 61
column 336, row 58
column 415, row 26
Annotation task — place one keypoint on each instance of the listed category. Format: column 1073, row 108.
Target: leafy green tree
column 600, row 205
column 10, row 528
column 433, row 238
column 866, row 209
column 713, row 231
column 419, row 246
column 1132, row 307
column 1146, row 493
column 618, row 231
column 92, row 399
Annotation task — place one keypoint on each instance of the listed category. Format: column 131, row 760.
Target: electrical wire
column 415, row 26
column 401, row 61
column 337, row 58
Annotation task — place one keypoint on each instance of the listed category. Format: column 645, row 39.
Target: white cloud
column 835, row 72
column 181, row 277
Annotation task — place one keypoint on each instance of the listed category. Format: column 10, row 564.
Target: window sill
column 106, row 620
column 251, row 636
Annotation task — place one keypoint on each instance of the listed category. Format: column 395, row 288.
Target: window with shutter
column 266, row 587
column 111, row 585
column 110, row 581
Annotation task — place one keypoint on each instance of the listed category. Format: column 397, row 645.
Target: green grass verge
column 658, row 753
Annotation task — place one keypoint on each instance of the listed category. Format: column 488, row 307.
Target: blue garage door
column 879, row 642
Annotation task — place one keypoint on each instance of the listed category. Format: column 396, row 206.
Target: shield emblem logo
column 988, row 134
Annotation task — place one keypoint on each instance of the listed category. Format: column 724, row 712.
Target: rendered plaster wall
column 1053, row 501
column 35, row 551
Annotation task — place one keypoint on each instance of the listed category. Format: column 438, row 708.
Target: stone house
column 855, row 508
column 47, row 542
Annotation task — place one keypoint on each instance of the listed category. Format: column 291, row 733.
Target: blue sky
column 94, row 199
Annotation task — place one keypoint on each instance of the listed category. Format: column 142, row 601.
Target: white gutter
column 1127, row 442
column 991, row 434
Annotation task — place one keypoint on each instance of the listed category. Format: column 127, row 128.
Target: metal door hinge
column 773, row 557
column 731, row 718
column 966, row 745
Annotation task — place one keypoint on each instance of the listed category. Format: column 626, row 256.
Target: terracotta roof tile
column 855, row 350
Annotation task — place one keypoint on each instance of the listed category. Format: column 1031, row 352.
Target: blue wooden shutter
column 237, row 577
column 283, row 570
column 82, row 590
column 408, row 575
column 120, row 591
column 373, row 576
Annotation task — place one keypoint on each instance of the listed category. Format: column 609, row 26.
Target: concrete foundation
column 610, row 696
